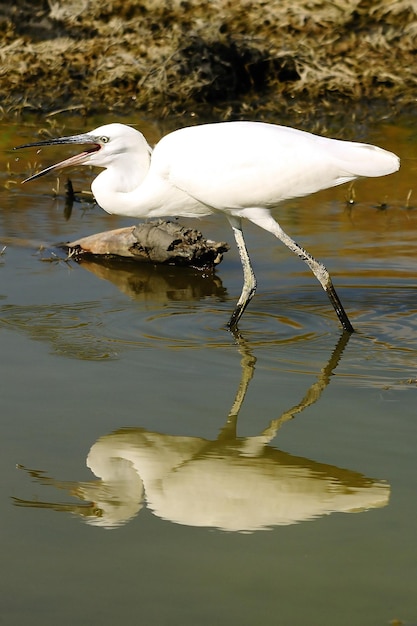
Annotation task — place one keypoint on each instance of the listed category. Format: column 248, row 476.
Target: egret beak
column 78, row 159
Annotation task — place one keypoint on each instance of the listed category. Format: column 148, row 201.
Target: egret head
column 102, row 146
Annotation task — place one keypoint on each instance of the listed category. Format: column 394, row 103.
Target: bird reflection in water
column 233, row 483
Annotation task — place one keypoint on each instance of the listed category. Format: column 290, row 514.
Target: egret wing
column 250, row 164
column 245, row 164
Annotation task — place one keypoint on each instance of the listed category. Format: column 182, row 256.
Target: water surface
column 158, row 471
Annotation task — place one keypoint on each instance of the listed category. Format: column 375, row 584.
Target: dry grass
column 225, row 58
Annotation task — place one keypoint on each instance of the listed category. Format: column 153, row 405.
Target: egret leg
column 267, row 222
column 249, row 278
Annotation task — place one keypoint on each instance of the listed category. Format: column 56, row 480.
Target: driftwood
column 152, row 242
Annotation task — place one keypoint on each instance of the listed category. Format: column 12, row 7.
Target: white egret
column 241, row 169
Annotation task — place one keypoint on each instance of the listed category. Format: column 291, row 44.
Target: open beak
column 78, row 159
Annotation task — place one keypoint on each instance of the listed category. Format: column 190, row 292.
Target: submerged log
column 152, row 242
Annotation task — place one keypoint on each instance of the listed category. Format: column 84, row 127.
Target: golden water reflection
column 231, row 483
column 158, row 284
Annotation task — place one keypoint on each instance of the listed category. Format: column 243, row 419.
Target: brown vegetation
column 244, row 58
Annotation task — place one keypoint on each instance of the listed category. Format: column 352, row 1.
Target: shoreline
column 308, row 62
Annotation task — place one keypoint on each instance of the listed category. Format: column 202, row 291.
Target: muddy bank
column 210, row 58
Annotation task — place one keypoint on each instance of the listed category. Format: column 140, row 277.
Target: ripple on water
column 293, row 339
column 197, row 325
column 72, row 331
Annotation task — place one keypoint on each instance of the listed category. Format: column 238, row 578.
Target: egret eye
column 104, row 139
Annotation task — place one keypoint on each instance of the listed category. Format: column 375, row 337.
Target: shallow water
column 157, row 471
